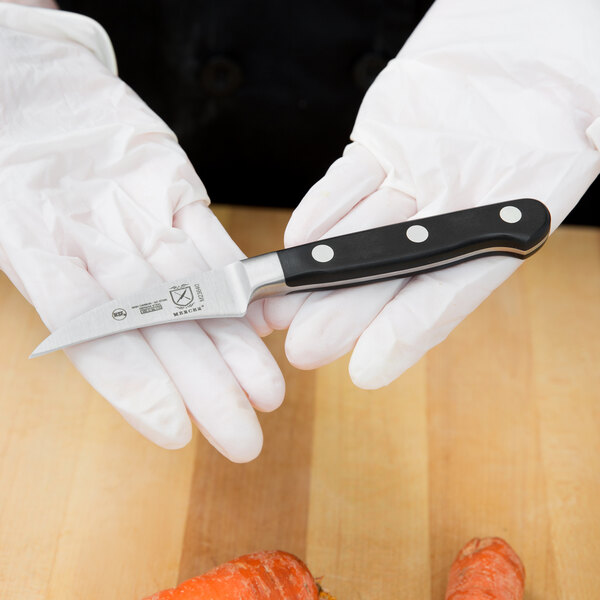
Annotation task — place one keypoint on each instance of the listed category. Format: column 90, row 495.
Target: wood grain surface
column 495, row 432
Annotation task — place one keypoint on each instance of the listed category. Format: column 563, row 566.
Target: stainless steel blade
column 205, row 295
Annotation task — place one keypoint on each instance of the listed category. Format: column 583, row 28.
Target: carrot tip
column 486, row 568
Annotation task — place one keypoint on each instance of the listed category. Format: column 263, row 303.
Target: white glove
column 487, row 101
column 97, row 200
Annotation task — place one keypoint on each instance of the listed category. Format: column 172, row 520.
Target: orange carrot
column 272, row 575
column 486, row 569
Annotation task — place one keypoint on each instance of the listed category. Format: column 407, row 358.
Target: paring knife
column 515, row 228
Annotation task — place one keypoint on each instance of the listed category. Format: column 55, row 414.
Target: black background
column 262, row 95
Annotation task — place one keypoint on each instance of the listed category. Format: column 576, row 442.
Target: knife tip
column 41, row 350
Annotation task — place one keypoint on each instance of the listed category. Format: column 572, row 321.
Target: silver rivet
column 510, row 214
column 417, row 233
column 322, row 253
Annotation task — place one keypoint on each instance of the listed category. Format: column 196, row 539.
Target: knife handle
column 514, row 228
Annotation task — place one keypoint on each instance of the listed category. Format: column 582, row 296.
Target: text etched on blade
column 181, row 296
column 148, row 307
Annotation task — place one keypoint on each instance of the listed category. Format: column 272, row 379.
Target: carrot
column 486, row 569
column 272, row 575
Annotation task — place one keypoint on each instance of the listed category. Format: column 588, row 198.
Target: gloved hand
column 487, row 101
column 98, row 200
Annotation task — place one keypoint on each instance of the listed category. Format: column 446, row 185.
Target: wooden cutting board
column 494, row 432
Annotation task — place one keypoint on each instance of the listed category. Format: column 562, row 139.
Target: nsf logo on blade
column 182, row 295
column 119, row 314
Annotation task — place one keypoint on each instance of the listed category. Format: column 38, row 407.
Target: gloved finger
column 354, row 176
column 280, row 310
column 249, row 360
column 421, row 316
column 218, row 249
column 208, row 234
column 135, row 383
column 209, row 389
column 255, row 316
column 383, row 207
column 336, row 196
column 241, row 348
column 328, row 324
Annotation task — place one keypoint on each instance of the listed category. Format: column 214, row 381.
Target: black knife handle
column 515, row 228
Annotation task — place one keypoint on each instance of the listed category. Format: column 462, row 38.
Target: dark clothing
column 272, row 88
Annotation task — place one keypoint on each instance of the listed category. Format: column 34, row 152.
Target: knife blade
column 514, row 228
